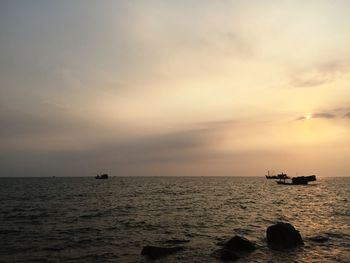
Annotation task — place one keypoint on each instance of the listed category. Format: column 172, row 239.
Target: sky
column 174, row 88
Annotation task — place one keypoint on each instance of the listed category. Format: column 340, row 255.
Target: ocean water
column 88, row 220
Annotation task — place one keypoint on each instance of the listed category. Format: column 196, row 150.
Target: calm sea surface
column 88, row 220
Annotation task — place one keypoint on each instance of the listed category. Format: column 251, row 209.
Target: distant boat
column 102, row 176
column 299, row 180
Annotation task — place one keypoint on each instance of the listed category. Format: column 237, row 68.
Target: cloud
column 189, row 150
column 306, row 82
column 43, row 119
column 335, row 113
column 185, row 145
column 135, row 156
column 322, row 115
column 319, row 74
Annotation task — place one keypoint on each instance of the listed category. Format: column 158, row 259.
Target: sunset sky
column 169, row 88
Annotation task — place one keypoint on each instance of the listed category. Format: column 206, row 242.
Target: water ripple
column 87, row 220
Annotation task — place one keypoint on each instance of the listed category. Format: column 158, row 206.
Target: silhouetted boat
column 102, row 176
column 279, row 176
column 299, row 180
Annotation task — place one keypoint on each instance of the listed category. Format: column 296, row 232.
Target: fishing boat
column 102, row 176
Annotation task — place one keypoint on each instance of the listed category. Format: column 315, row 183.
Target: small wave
column 54, row 249
column 93, row 215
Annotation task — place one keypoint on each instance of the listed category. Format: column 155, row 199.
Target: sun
column 308, row 117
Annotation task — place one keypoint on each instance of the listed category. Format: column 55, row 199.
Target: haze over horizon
column 174, row 88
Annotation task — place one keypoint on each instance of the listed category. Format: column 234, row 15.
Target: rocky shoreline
column 281, row 236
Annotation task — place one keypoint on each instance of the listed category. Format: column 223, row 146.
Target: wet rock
column 154, row 252
column 319, row 239
column 228, row 255
column 233, row 248
column 282, row 236
column 238, row 243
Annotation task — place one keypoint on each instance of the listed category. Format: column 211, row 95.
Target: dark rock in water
column 225, row 255
column 319, row 239
column 228, row 255
column 235, row 244
column 154, row 252
column 238, row 243
column 283, row 235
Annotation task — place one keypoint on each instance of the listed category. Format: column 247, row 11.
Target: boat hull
column 300, row 180
column 290, row 183
column 102, row 176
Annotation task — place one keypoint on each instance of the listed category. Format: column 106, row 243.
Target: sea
column 66, row 219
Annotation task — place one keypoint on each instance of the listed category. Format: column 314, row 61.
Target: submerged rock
column 235, row 245
column 154, row 252
column 282, row 236
column 238, row 243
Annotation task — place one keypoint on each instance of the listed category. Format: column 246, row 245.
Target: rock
column 228, row 255
column 225, row 255
column 238, row 243
column 154, row 252
column 282, row 236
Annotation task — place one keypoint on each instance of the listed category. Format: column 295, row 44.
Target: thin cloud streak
column 319, row 74
column 332, row 114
